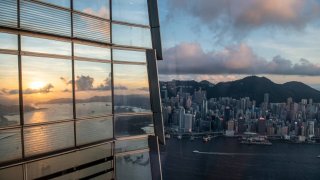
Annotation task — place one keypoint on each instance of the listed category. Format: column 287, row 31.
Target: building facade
column 79, row 91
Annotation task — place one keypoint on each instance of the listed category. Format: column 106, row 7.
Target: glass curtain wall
column 75, row 86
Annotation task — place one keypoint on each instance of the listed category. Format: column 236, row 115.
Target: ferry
column 259, row 140
column 207, row 138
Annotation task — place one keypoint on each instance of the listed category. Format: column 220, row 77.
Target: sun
column 37, row 85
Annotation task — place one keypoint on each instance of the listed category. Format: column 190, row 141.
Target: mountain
column 255, row 88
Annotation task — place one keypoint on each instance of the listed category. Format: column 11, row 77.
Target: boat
column 258, row 140
column 195, row 151
column 318, row 156
column 167, row 136
column 179, row 137
column 206, row 138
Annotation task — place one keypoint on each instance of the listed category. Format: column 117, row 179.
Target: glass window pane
column 8, row 41
column 93, row 130
column 15, row 173
column 63, row 3
column 48, row 46
column 9, row 91
column 93, row 52
column 8, row 13
column 98, row 8
column 131, row 36
column 131, row 88
column 47, row 89
column 93, row 88
column 133, row 125
column 131, row 145
column 94, row 154
column 10, row 145
column 48, row 138
column 129, row 56
column 131, row 11
column 38, row 17
column 91, row 28
column 133, row 167
column 49, row 166
column 94, row 170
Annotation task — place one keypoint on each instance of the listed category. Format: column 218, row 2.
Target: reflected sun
column 37, row 85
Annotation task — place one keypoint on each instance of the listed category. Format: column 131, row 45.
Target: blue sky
column 227, row 40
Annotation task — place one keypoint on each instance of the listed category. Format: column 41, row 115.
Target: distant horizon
column 314, row 86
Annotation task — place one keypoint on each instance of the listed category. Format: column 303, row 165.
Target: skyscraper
column 79, row 92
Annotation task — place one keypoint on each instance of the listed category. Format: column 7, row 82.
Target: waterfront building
column 79, row 91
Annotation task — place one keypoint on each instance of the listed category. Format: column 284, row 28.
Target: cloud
column 84, row 83
column 189, row 58
column 239, row 17
column 102, row 12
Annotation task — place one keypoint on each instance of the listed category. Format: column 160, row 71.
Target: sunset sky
column 227, row 40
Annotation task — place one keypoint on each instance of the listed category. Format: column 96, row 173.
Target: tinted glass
column 131, row 11
column 15, row 172
column 131, row 36
column 98, row 8
column 9, row 91
column 8, row 13
column 48, row 138
column 10, row 145
column 131, row 145
column 93, row 52
column 91, row 28
column 133, row 125
column 93, row 88
column 40, row 45
column 133, row 167
column 41, row 18
column 63, row 3
column 131, row 88
column 129, row 56
column 93, row 130
column 47, row 89
column 8, row 41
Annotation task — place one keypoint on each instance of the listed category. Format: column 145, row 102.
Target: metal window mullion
column 112, row 93
column 73, row 79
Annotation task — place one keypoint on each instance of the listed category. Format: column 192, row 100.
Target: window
column 8, row 41
column 94, row 130
column 131, row 36
column 48, row 138
column 9, row 91
column 131, row 145
column 131, row 11
column 91, row 28
column 93, row 88
column 47, row 89
column 133, row 166
column 37, row 17
column 8, row 13
column 129, row 56
column 98, row 8
column 10, row 145
column 131, row 89
column 132, row 125
column 40, row 45
column 92, row 52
